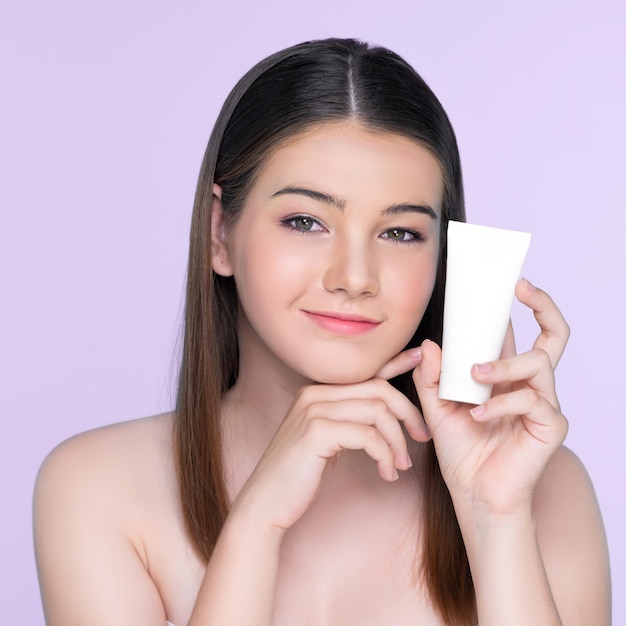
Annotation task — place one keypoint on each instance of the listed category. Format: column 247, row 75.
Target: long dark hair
column 285, row 94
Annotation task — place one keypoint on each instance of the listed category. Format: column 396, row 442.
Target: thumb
column 400, row 364
column 426, row 378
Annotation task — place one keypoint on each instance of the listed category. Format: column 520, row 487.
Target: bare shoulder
column 565, row 487
column 112, row 477
column 105, row 452
column 93, row 495
column 572, row 540
column 108, row 463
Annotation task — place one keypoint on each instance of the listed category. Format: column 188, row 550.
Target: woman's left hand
column 492, row 455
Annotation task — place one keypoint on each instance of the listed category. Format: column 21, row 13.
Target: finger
column 533, row 368
column 329, row 437
column 554, row 329
column 376, row 388
column 540, row 418
column 368, row 413
column 508, row 350
column 426, row 378
column 399, row 364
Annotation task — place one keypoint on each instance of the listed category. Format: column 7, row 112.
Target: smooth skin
column 325, row 522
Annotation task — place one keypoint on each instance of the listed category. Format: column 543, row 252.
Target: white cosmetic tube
column 483, row 267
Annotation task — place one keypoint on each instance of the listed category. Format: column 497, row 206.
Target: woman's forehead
column 348, row 158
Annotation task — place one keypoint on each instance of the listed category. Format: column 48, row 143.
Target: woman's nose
column 351, row 268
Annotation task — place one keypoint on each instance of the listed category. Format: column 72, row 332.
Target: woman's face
column 334, row 254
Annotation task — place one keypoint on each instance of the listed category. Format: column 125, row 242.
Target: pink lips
column 342, row 323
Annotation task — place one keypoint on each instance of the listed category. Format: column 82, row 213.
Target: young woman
column 310, row 474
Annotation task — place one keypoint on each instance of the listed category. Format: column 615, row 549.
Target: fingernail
column 409, row 462
column 416, row 354
column 483, row 368
column 477, row 411
column 530, row 285
column 395, row 474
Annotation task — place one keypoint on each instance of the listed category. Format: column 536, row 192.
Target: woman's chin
column 345, row 377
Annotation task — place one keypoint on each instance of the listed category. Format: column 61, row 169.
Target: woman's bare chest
column 354, row 583
column 353, row 559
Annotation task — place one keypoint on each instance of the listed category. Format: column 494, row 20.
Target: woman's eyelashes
column 305, row 224
column 302, row 223
column 402, row 235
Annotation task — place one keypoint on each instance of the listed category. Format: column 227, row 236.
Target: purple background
column 106, row 109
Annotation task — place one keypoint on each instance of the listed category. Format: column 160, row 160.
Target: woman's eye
column 401, row 234
column 303, row 223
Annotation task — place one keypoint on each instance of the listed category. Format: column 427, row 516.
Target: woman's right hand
column 322, row 421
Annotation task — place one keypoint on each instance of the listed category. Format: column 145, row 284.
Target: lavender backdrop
column 105, row 111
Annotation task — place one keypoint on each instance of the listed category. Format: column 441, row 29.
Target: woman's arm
column 240, row 583
column 548, row 565
column 89, row 519
column 525, row 507
column 572, row 541
column 89, row 569
column 94, row 566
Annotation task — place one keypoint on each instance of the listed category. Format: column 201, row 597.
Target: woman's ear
column 220, row 258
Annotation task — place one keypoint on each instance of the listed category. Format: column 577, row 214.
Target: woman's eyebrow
column 411, row 208
column 315, row 195
column 340, row 204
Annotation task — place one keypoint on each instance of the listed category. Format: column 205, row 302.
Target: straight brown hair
column 286, row 94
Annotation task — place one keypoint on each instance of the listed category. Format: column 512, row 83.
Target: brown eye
column 399, row 234
column 402, row 235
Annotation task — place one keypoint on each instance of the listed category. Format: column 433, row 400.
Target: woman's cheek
column 415, row 288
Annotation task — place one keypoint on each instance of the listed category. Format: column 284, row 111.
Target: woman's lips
column 342, row 323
